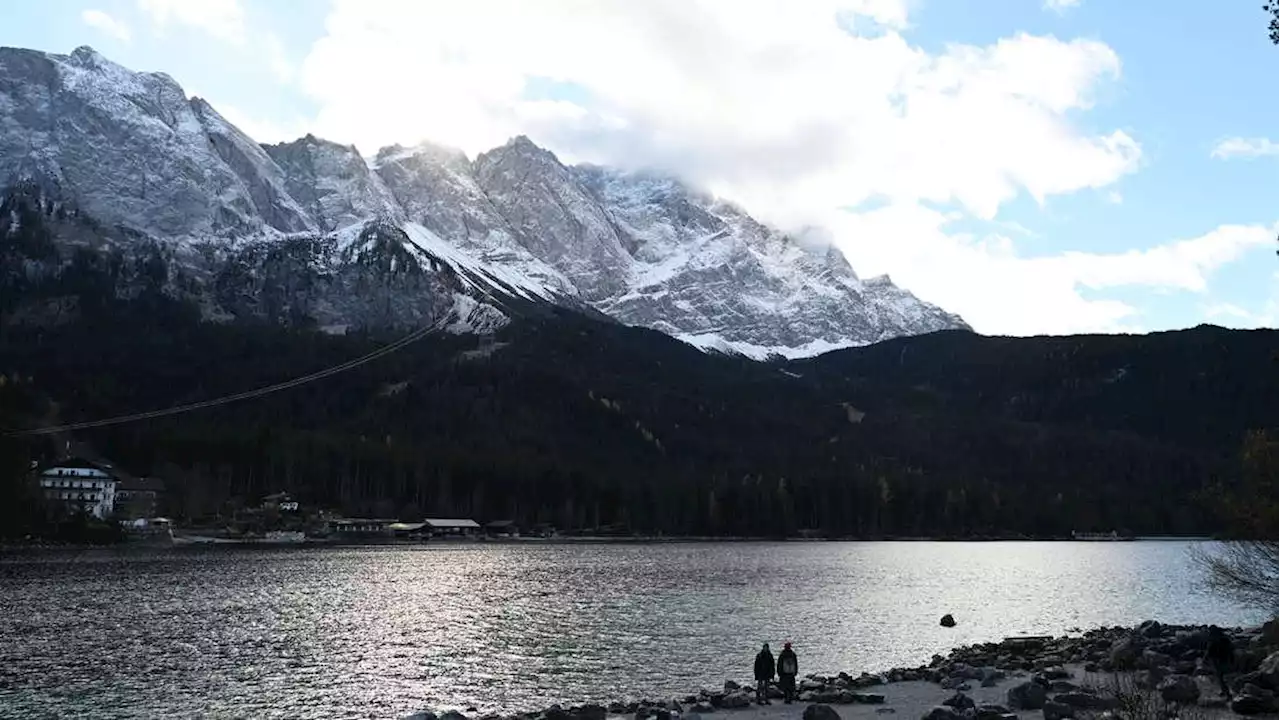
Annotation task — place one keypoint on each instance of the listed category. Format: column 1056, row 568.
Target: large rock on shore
column 1027, row 696
column 1058, row 711
column 1125, row 652
column 1267, row 676
column 590, row 712
column 820, row 712
column 942, row 712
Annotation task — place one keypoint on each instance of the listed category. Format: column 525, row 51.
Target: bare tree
column 1244, row 568
column 1273, row 9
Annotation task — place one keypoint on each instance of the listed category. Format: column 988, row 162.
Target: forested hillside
column 586, row 423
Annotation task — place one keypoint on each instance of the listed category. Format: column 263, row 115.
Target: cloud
column 1239, row 147
column 768, row 101
column 1231, row 315
column 223, row 19
column 1060, row 6
column 262, row 130
column 778, row 107
column 1000, row 291
column 278, row 60
column 107, row 24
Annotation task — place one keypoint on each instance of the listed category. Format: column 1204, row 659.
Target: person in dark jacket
column 788, row 667
column 1220, row 654
column 764, row 673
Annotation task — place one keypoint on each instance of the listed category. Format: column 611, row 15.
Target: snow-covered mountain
column 311, row 231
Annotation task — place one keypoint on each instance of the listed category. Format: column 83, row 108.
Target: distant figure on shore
column 788, row 668
column 1221, row 656
column 764, row 674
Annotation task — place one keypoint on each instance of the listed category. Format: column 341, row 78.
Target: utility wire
column 259, row 392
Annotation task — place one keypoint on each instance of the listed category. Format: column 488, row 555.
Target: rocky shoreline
column 1094, row 674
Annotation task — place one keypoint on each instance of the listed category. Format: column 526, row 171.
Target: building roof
column 451, row 523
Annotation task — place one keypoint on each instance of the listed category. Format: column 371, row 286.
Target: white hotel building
column 80, row 487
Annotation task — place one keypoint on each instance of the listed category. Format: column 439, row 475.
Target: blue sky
column 920, row 133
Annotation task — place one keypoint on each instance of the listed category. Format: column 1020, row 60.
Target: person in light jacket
column 788, row 668
column 764, row 674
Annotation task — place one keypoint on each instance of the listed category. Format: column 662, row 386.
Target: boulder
column 868, row 698
column 952, row 683
column 820, row 712
column 730, row 686
column 1055, row 672
column 1152, row 659
column 1150, row 679
column 1179, row 689
column 947, row 621
column 736, row 700
column 1027, row 696
column 1269, row 636
column 942, row 712
column 1124, row 652
column 701, row 708
column 1086, row 701
column 555, row 712
column 453, row 715
column 424, row 715
column 591, row 712
column 1058, row 711
column 886, row 711
column 866, row 680
column 1267, row 671
column 960, row 701
column 1151, row 629
column 1247, row 703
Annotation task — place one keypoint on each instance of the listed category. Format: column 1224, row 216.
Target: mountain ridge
column 135, row 154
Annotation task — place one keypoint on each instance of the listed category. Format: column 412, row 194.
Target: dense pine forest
column 587, row 424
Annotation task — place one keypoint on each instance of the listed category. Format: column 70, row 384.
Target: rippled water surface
column 385, row 631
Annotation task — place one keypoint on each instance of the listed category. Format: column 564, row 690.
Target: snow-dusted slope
column 559, row 222
column 310, row 231
column 437, row 189
column 705, row 271
column 129, row 143
column 333, row 183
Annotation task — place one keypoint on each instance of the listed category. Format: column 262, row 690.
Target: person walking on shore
column 1221, row 656
column 788, row 668
column 764, row 674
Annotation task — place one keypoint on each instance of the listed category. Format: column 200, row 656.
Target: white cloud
column 1114, row 197
column 1231, row 315
column 1060, row 6
column 223, row 19
column 281, row 67
column 262, row 130
column 999, row 291
column 1239, row 147
column 776, row 106
column 107, row 24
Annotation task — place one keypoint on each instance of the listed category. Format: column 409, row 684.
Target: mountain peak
column 87, row 56
column 132, row 151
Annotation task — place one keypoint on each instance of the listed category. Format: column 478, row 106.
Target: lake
column 322, row 632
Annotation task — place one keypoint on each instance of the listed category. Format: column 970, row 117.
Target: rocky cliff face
column 311, row 231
